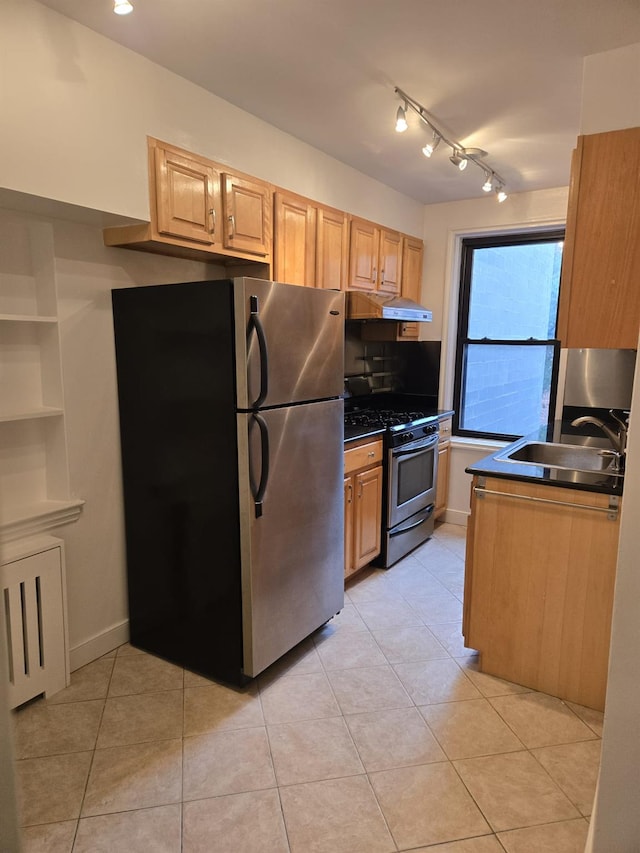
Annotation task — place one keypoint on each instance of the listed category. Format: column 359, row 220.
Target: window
column 507, row 355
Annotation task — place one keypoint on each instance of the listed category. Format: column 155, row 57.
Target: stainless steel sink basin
column 570, row 457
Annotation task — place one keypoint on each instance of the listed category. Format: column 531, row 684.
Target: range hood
column 377, row 306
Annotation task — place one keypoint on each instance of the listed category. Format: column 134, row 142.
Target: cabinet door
column 367, row 515
column 246, row 209
column 390, row 262
column 363, row 255
column 348, row 526
column 541, row 588
column 599, row 294
column 187, row 197
column 412, row 259
column 442, row 482
column 295, row 240
column 332, row 248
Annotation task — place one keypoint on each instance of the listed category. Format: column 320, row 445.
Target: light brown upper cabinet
column 187, row 191
column 375, row 258
column 246, row 209
column 412, row 258
column 201, row 210
column 332, row 248
column 311, row 242
column 600, row 292
column 295, row 239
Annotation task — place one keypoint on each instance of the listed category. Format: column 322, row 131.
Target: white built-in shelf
column 31, row 519
column 35, row 492
column 27, row 318
column 30, row 414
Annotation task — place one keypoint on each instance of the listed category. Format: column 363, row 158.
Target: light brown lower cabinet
column 442, row 481
column 539, row 581
column 363, row 504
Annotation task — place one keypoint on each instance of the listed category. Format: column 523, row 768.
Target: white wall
column 615, row 823
column 611, row 90
column 444, row 227
column 78, row 110
column 611, row 101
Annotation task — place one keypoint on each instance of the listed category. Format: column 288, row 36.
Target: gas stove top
column 387, row 418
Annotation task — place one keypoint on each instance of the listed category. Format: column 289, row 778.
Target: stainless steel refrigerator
column 231, row 426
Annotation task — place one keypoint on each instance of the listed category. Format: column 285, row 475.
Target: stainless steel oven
column 412, row 469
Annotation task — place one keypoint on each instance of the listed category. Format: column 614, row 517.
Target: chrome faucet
column 618, row 438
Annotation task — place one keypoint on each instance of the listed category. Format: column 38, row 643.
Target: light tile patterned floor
column 378, row 734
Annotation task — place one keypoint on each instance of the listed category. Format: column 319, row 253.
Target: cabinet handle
column 232, row 222
column 382, row 277
column 360, row 490
column 212, row 216
column 371, row 453
column 350, row 498
column 374, row 276
column 611, row 510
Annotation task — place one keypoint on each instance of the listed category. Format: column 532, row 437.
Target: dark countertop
column 356, row 432
column 596, row 481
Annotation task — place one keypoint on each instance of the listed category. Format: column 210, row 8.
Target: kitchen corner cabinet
column 363, row 503
column 539, row 580
column 599, row 293
column 201, row 210
column 375, row 258
column 442, row 481
column 34, row 478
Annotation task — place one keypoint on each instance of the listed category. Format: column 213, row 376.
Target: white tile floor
column 378, row 734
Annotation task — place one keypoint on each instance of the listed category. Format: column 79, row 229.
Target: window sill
column 488, row 444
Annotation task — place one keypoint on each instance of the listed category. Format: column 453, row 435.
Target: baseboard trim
column 456, row 516
column 99, row 645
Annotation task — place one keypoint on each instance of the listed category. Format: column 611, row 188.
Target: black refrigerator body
column 231, row 427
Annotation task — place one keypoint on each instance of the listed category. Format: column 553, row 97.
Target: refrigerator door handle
column 256, row 323
column 264, row 468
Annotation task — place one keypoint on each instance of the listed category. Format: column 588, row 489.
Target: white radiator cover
column 32, row 585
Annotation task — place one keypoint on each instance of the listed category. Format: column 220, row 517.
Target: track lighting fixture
column 122, row 7
column 460, row 156
column 401, row 120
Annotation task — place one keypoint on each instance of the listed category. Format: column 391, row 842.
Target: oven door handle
column 424, row 515
column 410, row 451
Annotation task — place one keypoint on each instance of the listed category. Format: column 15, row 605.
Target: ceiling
column 501, row 75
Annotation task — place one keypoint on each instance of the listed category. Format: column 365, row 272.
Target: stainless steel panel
column 599, row 378
column 421, row 461
column 293, row 554
column 408, row 535
column 304, row 333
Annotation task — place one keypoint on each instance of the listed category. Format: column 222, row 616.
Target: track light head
column 488, row 182
column 401, row 120
column 430, row 147
column 122, row 7
column 458, row 159
column 500, row 193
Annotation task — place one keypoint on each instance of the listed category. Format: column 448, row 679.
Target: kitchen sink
column 571, row 457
